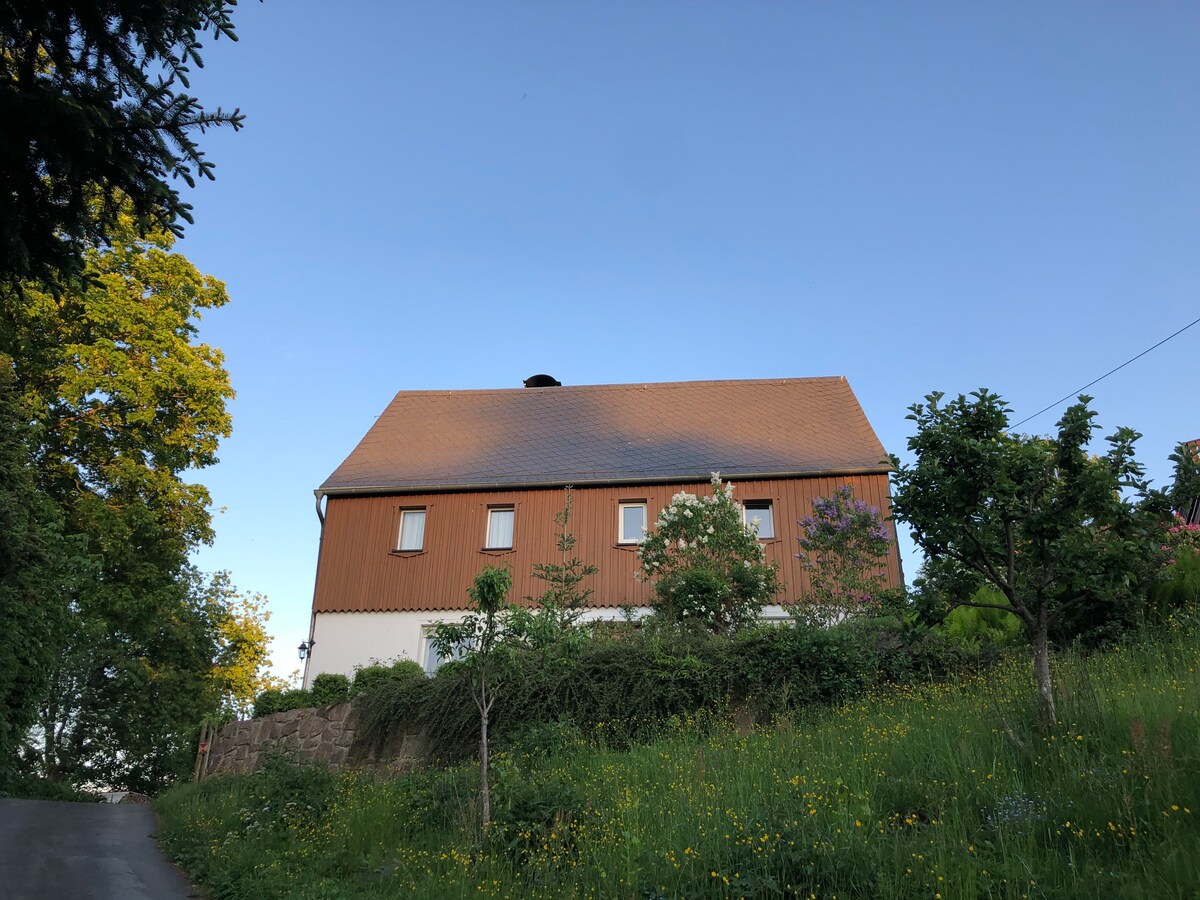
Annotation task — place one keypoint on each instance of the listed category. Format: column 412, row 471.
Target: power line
column 1076, row 393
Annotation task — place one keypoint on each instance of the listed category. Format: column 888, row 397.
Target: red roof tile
column 428, row 440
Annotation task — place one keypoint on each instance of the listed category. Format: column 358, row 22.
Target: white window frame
column 512, row 537
column 622, row 537
column 769, row 506
column 430, row 660
column 405, row 513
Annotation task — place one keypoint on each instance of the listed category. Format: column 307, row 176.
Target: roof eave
column 441, row 488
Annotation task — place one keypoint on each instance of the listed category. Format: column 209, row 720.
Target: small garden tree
column 1058, row 532
column 845, row 544
column 706, row 564
column 565, row 598
column 484, row 634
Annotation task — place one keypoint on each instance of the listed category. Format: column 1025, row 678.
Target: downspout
column 312, row 619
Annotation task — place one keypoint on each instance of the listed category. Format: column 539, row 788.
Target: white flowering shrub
column 705, row 564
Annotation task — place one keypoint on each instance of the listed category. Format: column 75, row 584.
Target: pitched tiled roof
column 613, row 433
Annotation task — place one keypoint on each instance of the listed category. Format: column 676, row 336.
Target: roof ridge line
column 629, row 384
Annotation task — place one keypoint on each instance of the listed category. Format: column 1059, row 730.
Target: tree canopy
column 96, row 116
column 1066, row 537
column 117, row 402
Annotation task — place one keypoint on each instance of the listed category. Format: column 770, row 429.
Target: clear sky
column 918, row 196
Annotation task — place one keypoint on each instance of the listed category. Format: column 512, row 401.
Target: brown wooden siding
column 360, row 571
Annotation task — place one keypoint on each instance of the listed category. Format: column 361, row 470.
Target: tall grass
column 939, row 791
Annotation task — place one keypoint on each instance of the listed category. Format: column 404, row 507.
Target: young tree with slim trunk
column 1050, row 526
column 484, row 635
column 565, row 598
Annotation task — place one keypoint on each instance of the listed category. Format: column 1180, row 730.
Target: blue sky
column 918, row 196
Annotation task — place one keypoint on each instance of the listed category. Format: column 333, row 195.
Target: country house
column 446, row 482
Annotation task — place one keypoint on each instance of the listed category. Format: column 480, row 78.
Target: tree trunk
column 485, row 794
column 1041, row 671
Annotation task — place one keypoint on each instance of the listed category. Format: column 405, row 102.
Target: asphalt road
column 73, row 851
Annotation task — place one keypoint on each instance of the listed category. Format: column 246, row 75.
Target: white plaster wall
column 349, row 639
column 345, row 640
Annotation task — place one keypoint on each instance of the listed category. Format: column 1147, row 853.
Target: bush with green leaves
column 276, row 701
column 980, row 623
column 625, row 686
column 366, row 678
column 329, row 688
column 845, row 548
column 706, row 564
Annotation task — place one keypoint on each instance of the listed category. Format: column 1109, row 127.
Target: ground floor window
column 431, row 660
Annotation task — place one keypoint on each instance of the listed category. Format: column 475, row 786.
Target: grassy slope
column 938, row 792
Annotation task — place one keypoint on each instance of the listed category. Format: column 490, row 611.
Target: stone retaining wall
column 324, row 735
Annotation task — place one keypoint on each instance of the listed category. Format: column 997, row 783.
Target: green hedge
column 329, row 687
column 623, row 686
column 275, row 701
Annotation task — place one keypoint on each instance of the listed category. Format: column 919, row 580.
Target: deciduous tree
column 35, row 578
column 241, row 668
column 845, row 547
column 123, row 402
column 484, row 635
column 1062, row 534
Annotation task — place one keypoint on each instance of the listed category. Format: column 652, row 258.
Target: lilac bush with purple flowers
column 845, row 544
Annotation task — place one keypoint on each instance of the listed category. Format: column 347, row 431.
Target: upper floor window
column 631, row 522
column 758, row 513
column 500, row 528
column 412, row 530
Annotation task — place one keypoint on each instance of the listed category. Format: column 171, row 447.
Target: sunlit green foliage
column 121, row 403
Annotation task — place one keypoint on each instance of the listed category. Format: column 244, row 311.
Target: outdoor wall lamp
column 306, row 648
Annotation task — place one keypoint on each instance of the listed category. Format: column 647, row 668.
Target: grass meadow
column 937, row 791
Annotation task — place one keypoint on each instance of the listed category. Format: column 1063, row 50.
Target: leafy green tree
column 485, row 634
column 133, row 679
column 1063, row 536
column 845, row 544
column 241, row 668
column 706, row 564
column 1185, row 486
column 123, row 402
column 96, row 116
column 35, row 577
column 565, row 598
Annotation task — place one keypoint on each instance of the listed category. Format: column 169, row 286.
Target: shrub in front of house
column 624, row 687
column 276, row 701
column 367, row 677
column 329, row 688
